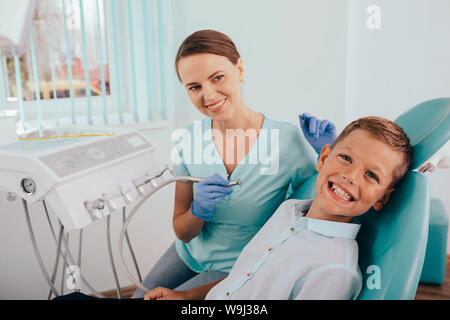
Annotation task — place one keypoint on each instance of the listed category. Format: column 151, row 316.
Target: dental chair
column 393, row 241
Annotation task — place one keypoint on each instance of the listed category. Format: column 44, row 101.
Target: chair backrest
column 393, row 240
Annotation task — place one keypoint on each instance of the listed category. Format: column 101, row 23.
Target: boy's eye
column 346, row 158
column 373, row 176
column 218, row 77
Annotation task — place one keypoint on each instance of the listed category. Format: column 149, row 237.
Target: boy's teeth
column 341, row 193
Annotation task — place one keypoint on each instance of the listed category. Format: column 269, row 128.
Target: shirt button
column 292, row 229
column 227, row 294
column 249, row 274
column 270, row 249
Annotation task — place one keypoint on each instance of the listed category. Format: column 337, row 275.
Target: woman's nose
column 208, row 94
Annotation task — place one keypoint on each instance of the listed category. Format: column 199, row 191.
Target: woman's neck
column 241, row 119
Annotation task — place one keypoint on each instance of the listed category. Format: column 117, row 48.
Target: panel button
column 97, row 153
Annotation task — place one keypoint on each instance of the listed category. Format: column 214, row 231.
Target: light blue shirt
column 281, row 157
column 296, row 257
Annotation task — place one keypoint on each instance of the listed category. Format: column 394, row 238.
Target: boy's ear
column 383, row 200
column 323, row 155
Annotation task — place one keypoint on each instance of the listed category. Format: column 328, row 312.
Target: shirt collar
column 325, row 227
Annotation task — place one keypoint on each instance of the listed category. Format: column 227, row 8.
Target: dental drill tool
column 234, row 183
column 196, row 179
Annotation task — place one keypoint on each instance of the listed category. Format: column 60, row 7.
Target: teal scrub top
column 280, row 158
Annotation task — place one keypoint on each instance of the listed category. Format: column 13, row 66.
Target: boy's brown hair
column 388, row 132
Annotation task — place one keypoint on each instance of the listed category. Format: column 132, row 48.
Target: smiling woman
column 213, row 85
column 210, row 66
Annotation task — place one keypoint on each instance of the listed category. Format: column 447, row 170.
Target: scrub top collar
column 324, row 227
column 207, row 134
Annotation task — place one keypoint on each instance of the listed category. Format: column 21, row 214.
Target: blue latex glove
column 317, row 132
column 207, row 193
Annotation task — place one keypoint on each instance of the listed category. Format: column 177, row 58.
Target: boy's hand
column 317, row 132
column 161, row 293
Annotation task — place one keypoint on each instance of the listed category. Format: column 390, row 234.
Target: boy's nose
column 349, row 176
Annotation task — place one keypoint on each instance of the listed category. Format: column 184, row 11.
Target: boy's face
column 354, row 176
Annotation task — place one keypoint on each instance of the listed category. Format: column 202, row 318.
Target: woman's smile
column 217, row 106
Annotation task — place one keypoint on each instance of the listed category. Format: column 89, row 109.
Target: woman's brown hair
column 207, row 41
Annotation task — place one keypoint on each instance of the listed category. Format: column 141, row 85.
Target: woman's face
column 212, row 83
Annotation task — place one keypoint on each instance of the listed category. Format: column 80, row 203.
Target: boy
column 307, row 249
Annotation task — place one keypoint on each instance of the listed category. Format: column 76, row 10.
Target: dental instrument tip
column 233, row 183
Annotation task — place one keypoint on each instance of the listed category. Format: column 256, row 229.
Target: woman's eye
column 194, row 88
column 346, row 158
column 372, row 176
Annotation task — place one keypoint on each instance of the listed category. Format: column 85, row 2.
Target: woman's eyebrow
column 190, row 84
column 211, row 76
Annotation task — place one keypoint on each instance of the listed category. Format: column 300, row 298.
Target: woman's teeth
column 217, row 105
column 340, row 193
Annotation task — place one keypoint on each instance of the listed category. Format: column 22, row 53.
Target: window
column 94, row 62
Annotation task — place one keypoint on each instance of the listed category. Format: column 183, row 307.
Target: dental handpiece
column 231, row 184
column 234, row 183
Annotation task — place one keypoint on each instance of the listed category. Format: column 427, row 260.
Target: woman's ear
column 323, row 156
column 383, row 200
column 241, row 70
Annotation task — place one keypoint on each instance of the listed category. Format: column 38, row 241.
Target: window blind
column 92, row 63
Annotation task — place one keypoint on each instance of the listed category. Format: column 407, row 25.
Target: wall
column 293, row 53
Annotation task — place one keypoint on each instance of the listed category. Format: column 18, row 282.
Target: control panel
column 67, row 162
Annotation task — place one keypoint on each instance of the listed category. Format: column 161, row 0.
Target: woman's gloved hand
column 207, row 193
column 317, row 132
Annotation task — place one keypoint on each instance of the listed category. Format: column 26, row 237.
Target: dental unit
column 83, row 178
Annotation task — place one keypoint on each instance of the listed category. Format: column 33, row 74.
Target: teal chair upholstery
column 428, row 128
column 394, row 239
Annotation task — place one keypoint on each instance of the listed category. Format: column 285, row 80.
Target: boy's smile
column 353, row 177
column 340, row 193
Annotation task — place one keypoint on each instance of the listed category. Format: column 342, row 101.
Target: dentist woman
column 212, row 221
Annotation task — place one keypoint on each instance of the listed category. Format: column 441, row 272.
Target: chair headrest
column 428, row 128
